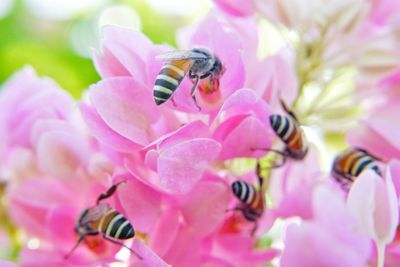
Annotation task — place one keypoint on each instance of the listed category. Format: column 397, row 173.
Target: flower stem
column 381, row 254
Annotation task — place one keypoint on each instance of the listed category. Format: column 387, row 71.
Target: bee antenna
column 109, row 192
column 81, row 237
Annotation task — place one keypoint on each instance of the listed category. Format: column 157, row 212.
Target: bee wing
column 95, row 213
column 180, row 55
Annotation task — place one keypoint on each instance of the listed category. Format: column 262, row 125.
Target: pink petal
column 4, row 263
column 60, row 223
column 140, row 202
column 29, row 203
column 244, row 101
column 368, row 138
column 249, row 134
column 181, row 166
column 149, row 258
column 236, row 7
column 375, row 205
column 303, row 243
column 205, row 214
column 165, row 231
column 126, row 37
column 107, row 65
column 361, row 201
column 104, row 133
column 382, row 123
column 126, row 107
column 61, row 154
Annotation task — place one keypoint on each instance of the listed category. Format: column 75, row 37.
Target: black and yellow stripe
column 115, row 225
column 288, row 130
column 167, row 81
column 351, row 163
column 244, row 191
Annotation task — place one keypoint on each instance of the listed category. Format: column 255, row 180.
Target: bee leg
column 109, row 192
column 192, row 91
column 236, row 208
column 122, row 245
column 281, row 153
column 173, row 101
column 288, row 111
column 258, row 171
column 253, row 231
column 81, row 237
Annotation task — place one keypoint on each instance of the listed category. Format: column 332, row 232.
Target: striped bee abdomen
column 168, row 79
column 291, row 134
column 351, row 163
column 115, row 225
column 244, row 191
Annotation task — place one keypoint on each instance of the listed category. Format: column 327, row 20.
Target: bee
column 104, row 220
column 199, row 62
column 351, row 163
column 252, row 199
column 288, row 129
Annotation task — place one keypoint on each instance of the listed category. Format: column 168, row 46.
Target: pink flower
column 242, row 124
column 320, row 242
column 21, row 105
column 375, row 206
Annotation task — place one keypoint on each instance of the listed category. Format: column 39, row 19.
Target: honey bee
column 252, row 199
column 350, row 163
column 104, row 220
column 288, row 129
column 199, row 62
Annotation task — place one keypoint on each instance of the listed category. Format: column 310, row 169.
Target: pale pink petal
column 341, row 246
column 29, row 203
column 126, row 107
column 4, row 263
column 128, row 59
column 149, row 258
column 61, row 154
column 381, row 122
column 104, row 133
column 135, row 40
column 303, row 243
column 361, row 201
column 227, row 247
column 181, row 166
column 236, row 7
column 369, row 139
column 107, row 65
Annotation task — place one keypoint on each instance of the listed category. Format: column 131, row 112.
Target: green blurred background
column 55, row 36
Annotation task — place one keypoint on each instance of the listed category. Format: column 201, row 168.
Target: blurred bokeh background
column 56, row 36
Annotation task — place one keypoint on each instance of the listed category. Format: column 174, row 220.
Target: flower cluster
column 211, row 183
